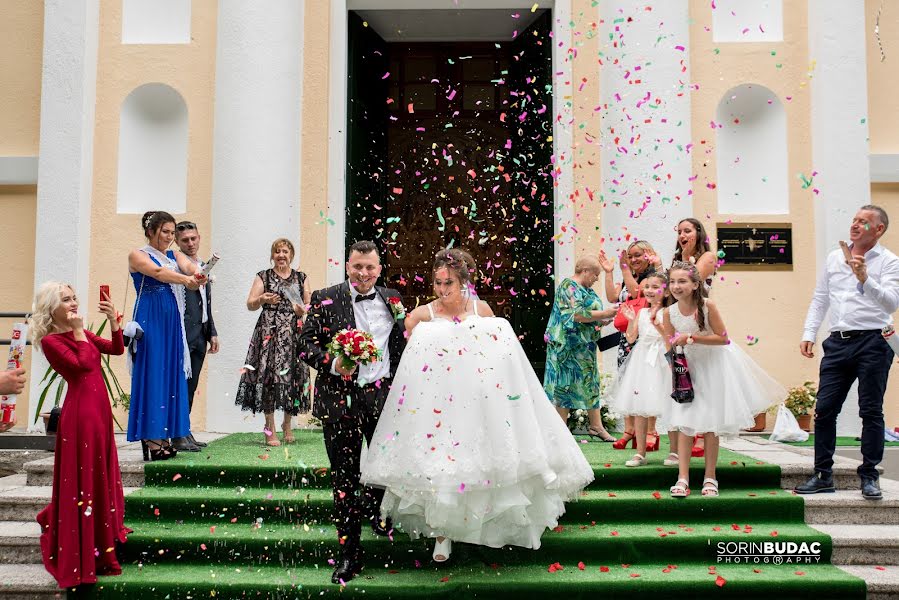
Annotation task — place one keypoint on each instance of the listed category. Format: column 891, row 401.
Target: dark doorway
column 450, row 143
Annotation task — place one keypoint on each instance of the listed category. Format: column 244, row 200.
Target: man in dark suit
column 198, row 324
column 349, row 401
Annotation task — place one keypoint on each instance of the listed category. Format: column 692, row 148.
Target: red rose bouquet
column 396, row 307
column 354, row 347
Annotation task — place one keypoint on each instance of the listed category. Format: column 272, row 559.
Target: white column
column 65, row 166
column 637, row 192
column 256, row 174
column 337, row 134
column 839, row 137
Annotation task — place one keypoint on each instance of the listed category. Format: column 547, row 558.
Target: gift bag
column 786, row 428
column 682, row 384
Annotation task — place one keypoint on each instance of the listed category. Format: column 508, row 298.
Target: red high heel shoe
column 621, row 443
column 652, row 442
column 697, row 451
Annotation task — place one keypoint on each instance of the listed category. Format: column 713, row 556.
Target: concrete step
column 24, row 502
column 863, row 544
column 20, row 542
column 40, row 472
column 882, row 584
column 28, row 582
column 845, row 507
column 796, row 462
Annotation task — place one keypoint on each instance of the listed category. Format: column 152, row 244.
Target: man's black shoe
column 195, row 442
column 182, row 444
column 346, row 570
column 382, row 527
column 871, row 490
column 816, row 485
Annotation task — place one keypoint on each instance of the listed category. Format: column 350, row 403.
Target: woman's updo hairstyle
column 456, row 260
column 153, row 220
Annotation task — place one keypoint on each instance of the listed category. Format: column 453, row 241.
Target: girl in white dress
column 729, row 387
column 643, row 387
column 468, row 446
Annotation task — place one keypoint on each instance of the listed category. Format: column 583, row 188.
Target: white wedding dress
column 468, row 446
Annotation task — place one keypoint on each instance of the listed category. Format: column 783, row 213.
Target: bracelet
column 690, row 339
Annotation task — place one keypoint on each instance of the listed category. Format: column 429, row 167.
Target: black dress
column 273, row 377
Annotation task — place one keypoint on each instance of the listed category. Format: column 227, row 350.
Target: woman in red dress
column 85, row 518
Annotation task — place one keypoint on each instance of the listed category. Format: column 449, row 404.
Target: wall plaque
column 749, row 246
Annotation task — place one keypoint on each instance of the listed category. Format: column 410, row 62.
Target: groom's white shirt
column 374, row 317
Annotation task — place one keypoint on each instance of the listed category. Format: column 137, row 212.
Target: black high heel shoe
column 156, row 450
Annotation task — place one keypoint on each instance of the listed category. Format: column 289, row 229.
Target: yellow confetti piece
column 534, row 8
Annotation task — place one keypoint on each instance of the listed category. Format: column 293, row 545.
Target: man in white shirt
column 861, row 294
column 349, row 401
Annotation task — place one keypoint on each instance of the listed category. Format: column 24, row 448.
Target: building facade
column 238, row 115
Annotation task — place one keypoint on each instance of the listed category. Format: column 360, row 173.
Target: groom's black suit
column 348, row 412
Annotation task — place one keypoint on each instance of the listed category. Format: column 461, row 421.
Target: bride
column 468, row 447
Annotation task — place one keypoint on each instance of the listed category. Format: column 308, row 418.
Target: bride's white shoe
column 442, row 550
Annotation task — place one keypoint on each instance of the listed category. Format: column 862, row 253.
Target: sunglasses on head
column 185, row 225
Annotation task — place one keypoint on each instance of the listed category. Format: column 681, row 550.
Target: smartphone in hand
column 846, row 253
column 104, row 292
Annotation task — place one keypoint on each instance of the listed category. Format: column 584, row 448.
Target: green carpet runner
column 243, row 521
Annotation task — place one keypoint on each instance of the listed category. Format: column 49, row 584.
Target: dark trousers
column 866, row 358
column 196, row 364
column 343, row 442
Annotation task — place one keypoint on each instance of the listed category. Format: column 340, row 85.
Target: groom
column 349, row 401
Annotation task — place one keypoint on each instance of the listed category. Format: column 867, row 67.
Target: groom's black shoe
column 871, row 490
column 817, row 484
column 346, row 570
column 382, row 527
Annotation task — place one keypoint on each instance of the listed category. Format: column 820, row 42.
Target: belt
column 845, row 335
column 374, row 384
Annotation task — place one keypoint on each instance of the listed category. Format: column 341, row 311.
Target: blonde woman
column 637, row 262
column 86, row 465
column 273, row 376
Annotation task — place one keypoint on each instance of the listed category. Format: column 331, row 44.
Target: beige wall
column 314, row 169
column 585, row 150
column 21, row 49
column 887, row 196
column 769, row 305
column 883, row 84
column 189, row 69
column 18, row 209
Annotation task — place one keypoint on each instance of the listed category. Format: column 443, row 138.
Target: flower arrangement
column 396, row 307
column 578, row 421
column 801, row 399
column 354, row 347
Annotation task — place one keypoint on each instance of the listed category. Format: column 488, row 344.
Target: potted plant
column 801, row 402
column 53, row 381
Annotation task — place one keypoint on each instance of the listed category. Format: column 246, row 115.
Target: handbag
column 621, row 321
column 681, row 383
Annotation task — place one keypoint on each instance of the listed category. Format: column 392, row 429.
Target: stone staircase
column 865, row 533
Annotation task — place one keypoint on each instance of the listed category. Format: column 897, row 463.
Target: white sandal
column 672, row 460
column 709, row 487
column 637, row 461
column 442, row 550
column 680, row 491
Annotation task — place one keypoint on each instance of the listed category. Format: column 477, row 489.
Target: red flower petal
column 879, row 568
column 614, row 533
column 720, row 581
column 635, row 574
column 581, row 566
column 756, row 570
column 604, row 569
column 800, row 572
column 444, row 579
column 657, row 495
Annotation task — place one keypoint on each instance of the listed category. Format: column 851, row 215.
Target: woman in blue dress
column 159, row 359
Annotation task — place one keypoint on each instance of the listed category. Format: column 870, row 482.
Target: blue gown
column 159, row 406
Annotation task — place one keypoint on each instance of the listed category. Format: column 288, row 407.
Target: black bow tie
column 360, row 297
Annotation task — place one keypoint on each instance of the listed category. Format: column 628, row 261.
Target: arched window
column 752, row 152
column 153, row 151
column 748, row 21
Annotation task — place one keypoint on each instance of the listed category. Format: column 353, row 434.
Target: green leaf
column 102, row 326
column 59, row 388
